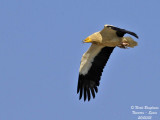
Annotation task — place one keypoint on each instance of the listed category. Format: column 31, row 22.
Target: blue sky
column 40, row 52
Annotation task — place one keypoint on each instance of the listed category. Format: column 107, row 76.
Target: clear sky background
column 40, row 52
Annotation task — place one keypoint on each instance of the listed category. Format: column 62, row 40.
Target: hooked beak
column 87, row 40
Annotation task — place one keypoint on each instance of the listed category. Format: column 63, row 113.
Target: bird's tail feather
column 130, row 41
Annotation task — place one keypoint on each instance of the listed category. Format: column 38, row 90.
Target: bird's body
column 94, row 60
column 110, row 37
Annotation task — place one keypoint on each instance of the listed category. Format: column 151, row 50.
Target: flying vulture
column 96, row 57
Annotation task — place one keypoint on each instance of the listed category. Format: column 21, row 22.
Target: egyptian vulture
column 96, row 57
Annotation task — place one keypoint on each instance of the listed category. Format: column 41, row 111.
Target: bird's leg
column 124, row 45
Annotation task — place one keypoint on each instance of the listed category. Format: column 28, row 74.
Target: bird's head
column 94, row 38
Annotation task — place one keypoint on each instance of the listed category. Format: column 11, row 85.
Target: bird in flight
column 96, row 57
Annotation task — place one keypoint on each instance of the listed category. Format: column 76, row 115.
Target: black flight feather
column 90, row 81
column 120, row 32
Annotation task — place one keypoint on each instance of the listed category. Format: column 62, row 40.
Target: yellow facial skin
column 87, row 40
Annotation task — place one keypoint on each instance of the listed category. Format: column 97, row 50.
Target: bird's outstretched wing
column 91, row 68
column 120, row 32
